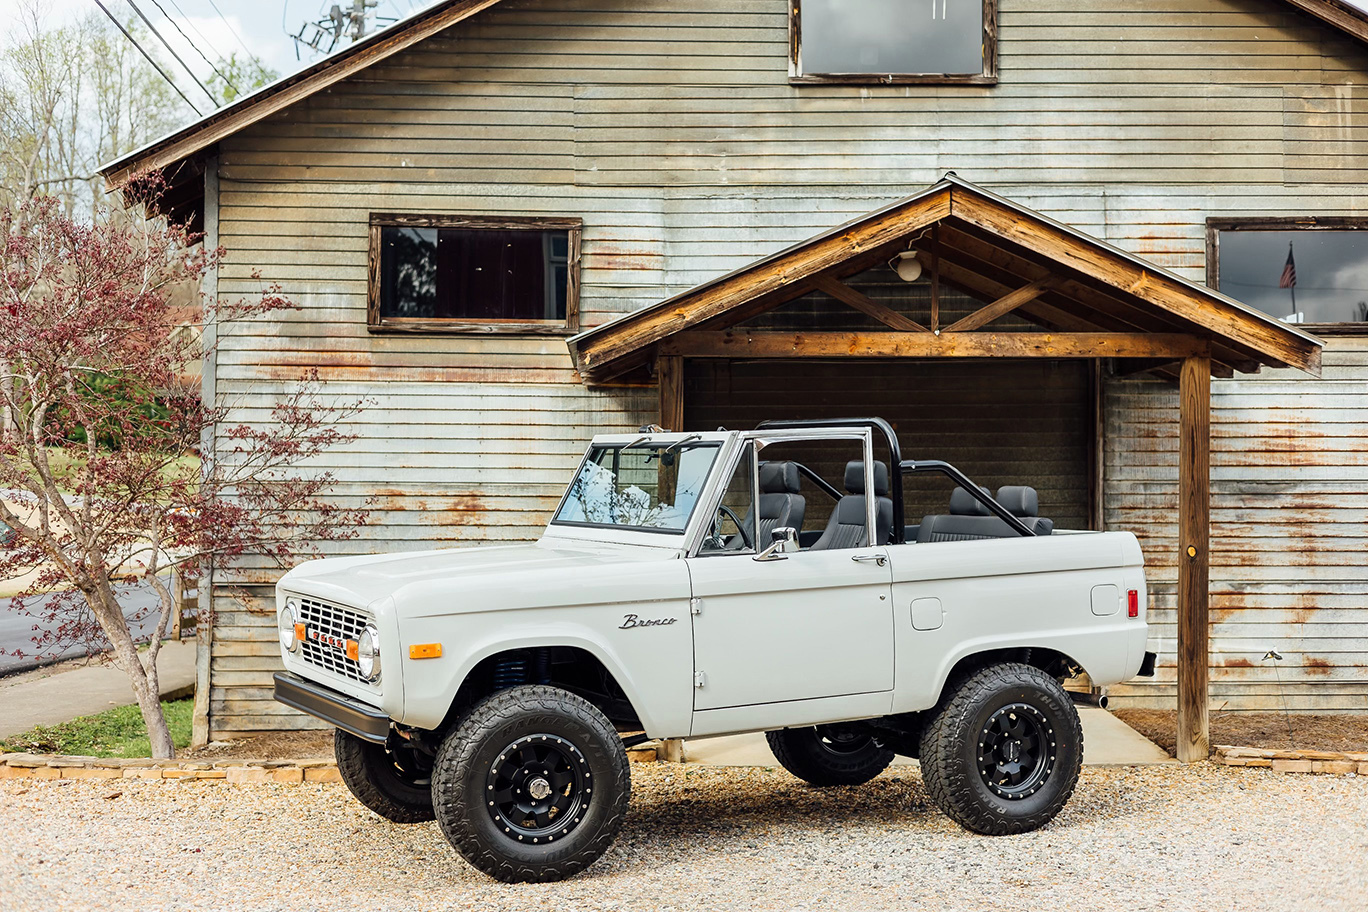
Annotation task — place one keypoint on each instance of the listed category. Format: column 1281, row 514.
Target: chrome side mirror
column 782, row 540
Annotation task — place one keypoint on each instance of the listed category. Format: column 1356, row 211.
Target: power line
column 148, row 58
column 228, row 82
column 231, row 29
column 191, row 22
column 193, row 78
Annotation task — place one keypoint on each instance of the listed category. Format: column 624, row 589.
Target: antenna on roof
column 321, row 36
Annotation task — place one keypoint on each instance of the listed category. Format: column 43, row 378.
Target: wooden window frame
column 988, row 77
column 1215, row 225
column 379, row 324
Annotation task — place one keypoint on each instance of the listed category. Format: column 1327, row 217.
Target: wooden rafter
column 1003, row 305
column 701, row 344
column 866, row 305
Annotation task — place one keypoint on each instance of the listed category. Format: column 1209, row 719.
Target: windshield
column 648, row 486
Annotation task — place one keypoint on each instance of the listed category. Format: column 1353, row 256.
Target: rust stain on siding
column 333, row 374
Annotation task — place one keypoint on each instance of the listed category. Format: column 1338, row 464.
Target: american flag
column 1289, row 273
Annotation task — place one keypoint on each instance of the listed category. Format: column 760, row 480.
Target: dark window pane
column 892, row 37
column 408, row 272
column 1328, row 284
column 474, row 274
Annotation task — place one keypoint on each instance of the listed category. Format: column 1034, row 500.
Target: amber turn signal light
column 299, row 632
column 352, row 650
column 425, row 651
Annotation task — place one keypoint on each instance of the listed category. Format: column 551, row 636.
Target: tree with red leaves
column 99, row 430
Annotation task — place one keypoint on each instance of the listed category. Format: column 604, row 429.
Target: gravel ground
column 1154, row 838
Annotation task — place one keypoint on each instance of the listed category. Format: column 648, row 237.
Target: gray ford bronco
column 698, row 584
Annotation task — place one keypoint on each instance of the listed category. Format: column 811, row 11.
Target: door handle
column 879, row 559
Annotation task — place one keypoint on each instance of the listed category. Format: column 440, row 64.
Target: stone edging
column 56, row 766
column 1294, row 761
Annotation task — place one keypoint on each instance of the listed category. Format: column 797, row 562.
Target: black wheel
column 396, row 785
column 1003, row 753
column 829, row 754
column 532, row 786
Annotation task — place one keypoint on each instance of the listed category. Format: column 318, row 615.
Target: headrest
column 962, row 503
column 854, row 477
column 1020, row 500
column 779, row 478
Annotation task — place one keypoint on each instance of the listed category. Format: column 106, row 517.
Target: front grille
column 332, row 622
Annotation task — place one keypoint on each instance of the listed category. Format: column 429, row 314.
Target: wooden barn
column 1148, row 200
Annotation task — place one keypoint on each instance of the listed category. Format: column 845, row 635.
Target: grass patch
column 117, row 732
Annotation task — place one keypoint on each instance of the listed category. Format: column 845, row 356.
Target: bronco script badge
column 631, row 620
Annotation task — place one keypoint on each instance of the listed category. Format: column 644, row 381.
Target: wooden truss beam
column 866, row 305
column 1003, row 305
column 736, row 344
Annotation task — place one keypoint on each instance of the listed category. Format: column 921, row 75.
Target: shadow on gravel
column 694, row 806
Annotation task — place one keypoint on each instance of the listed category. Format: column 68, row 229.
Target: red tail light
column 1133, row 603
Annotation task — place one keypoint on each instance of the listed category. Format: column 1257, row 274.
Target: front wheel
column 1003, row 753
column 393, row 784
column 532, row 786
column 829, row 754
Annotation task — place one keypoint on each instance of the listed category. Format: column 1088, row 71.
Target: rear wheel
column 829, row 754
column 396, row 785
column 1003, row 753
column 532, row 786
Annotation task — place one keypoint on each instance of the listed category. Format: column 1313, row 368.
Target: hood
column 360, row 581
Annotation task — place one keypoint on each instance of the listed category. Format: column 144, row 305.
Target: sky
column 218, row 28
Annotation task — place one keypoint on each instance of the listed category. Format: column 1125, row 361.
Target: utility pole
column 358, row 17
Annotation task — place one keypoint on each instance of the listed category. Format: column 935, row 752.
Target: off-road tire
column 970, row 720
column 370, row 772
column 815, row 757
column 492, row 738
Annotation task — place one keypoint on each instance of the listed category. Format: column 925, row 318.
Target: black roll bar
column 894, row 453
column 974, row 491
column 895, row 478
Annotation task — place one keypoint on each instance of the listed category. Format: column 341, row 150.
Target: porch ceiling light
column 906, row 265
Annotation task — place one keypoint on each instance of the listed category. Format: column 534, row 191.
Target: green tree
column 237, row 76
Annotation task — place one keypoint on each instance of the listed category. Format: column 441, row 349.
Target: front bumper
column 332, row 707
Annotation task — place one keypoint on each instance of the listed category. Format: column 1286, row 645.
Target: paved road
column 16, row 628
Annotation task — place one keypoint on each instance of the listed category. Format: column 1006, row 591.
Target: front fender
column 652, row 664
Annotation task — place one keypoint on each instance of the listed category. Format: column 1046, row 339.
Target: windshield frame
column 630, row 533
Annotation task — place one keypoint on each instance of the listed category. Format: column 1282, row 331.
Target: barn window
column 1299, row 270
column 893, row 41
column 450, row 273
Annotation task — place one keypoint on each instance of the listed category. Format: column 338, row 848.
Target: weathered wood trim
column 649, row 326
column 737, row 344
column 1194, row 530
column 1003, row 305
column 1057, row 244
column 1097, row 447
column 260, row 105
column 935, row 279
column 495, row 222
column 987, row 76
column 1345, row 18
column 377, row 323
column 866, row 305
column 1215, row 225
column 204, row 626
column 670, row 376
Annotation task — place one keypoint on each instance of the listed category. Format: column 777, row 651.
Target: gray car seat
column 846, row 527
column 780, row 502
column 970, row 520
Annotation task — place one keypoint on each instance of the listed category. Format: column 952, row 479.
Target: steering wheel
column 740, row 527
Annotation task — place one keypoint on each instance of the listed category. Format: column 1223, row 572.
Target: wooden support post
column 670, row 375
column 1194, row 508
column 935, row 279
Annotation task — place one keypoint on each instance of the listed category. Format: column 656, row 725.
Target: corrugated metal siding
column 1289, row 482
column 669, row 128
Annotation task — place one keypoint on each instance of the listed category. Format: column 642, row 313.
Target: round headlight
column 368, row 654
column 289, row 616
